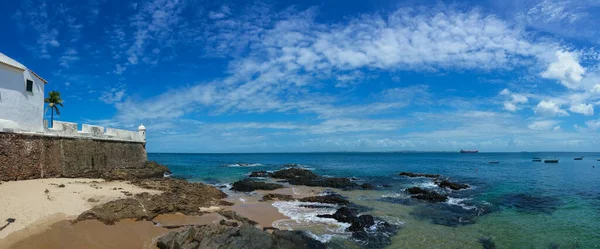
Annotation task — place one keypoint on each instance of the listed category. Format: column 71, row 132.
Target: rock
column 260, row 173
column 330, row 199
column 248, row 185
column 452, row 185
column 410, row 174
column 294, row 173
column 427, row 195
column 92, row 200
column 343, row 214
column 349, row 215
column 234, row 216
column 246, row 236
column 362, row 222
column 272, row 196
column 296, row 176
column 367, row 186
column 150, row 170
column 61, row 186
column 291, row 165
column 178, row 196
column 229, row 223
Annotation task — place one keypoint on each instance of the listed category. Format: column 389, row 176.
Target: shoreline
column 146, row 213
column 49, row 222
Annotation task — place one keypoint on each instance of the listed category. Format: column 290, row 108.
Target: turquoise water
column 514, row 204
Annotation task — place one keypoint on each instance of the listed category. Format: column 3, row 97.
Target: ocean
column 516, row 203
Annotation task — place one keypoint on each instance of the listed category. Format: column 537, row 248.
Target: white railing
column 68, row 129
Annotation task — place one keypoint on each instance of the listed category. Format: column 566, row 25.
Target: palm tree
column 53, row 101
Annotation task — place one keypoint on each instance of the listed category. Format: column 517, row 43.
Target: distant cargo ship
column 469, row 151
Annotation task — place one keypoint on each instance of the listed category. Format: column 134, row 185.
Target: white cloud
column 585, row 109
column 68, row 57
column 555, row 11
column 549, row 109
column 515, row 98
column 544, row 125
column 112, row 96
column 509, row 106
column 593, row 124
column 566, row 69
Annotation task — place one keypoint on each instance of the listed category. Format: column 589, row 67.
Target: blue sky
column 277, row 76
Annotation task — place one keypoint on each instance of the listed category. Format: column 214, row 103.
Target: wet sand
column 93, row 234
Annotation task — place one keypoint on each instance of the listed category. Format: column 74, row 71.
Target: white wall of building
column 19, row 109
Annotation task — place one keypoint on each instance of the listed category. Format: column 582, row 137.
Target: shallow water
column 514, row 204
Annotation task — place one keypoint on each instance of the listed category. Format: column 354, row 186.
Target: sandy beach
column 43, row 219
column 35, row 209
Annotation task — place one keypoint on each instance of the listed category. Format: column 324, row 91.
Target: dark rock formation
column 234, row 216
column 427, row 195
column 229, row 223
column 373, row 233
column 281, row 197
column 330, row 199
column 260, row 173
column 294, row 173
column 367, row 186
column 225, row 237
column 178, row 196
column 349, row 215
column 362, row 222
column 248, row 185
column 410, row 174
column 305, row 177
column 343, row 214
column 452, row 185
column 291, row 165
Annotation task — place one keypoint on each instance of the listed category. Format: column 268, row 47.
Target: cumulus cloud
column 566, row 69
column 549, row 109
column 544, row 125
column 585, row 109
column 514, row 99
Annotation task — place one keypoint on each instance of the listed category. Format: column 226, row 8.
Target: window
column 29, row 86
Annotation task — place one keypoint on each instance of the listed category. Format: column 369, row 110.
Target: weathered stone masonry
column 31, row 156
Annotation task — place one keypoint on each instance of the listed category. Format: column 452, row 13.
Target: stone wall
column 31, row 156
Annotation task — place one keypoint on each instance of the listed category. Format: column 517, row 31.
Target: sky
column 305, row 76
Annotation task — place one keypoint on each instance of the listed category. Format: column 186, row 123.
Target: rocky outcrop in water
column 410, row 174
column 178, row 196
column 248, row 185
column 297, row 176
column 452, row 185
column 373, row 233
column 245, row 236
column 281, row 197
column 427, row 195
column 260, row 173
column 330, row 199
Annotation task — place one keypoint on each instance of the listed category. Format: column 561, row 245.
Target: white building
column 21, row 97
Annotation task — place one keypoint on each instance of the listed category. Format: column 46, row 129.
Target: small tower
column 142, row 131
